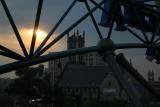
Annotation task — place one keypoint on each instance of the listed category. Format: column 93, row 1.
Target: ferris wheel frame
column 36, row 56
column 105, row 46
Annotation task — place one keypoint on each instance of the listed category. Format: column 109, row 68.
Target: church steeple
column 76, row 40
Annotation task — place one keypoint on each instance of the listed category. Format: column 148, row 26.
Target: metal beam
column 11, row 54
column 129, row 68
column 13, row 66
column 93, row 20
column 55, row 27
column 36, row 28
column 109, row 58
column 2, row 53
column 140, row 24
column 66, row 31
column 157, row 28
column 113, row 17
column 20, row 64
column 14, row 27
column 157, row 40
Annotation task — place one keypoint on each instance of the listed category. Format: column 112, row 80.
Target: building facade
column 90, row 81
column 86, row 75
column 76, row 40
column 56, row 67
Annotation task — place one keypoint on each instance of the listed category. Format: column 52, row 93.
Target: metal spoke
column 109, row 58
column 157, row 40
column 105, row 47
column 13, row 66
column 20, row 64
column 117, row 19
column 134, row 34
column 155, row 31
column 11, row 53
column 113, row 17
column 66, row 31
column 125, row 64
column 2, row 53
column 94, row 21
column 14, row 27
column 36, row 27
column 56, row 26
column 141, row 25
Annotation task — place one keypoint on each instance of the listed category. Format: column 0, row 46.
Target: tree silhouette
column 32, row 83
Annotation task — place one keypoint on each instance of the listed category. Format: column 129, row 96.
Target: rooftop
column 84, row 75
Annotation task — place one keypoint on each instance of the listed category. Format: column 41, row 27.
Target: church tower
column 76, row 40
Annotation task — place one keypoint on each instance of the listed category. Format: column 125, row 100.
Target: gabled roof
column 83, row 76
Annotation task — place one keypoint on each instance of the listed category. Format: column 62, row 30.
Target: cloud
column 11, row 42
column 24, row 12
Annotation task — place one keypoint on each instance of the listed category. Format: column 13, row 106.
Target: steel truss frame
column 36, row 56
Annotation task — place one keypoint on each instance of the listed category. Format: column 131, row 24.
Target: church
column 85, row 75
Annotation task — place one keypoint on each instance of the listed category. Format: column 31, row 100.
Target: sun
column 27, row 34
column 40, row 34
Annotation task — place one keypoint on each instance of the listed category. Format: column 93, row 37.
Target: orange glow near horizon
column 26, row 35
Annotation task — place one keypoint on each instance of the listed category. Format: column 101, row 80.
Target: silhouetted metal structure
column 105, row 47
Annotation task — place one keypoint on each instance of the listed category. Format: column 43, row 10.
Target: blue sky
column 23, row 12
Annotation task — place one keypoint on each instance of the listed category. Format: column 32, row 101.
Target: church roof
column 84, row 76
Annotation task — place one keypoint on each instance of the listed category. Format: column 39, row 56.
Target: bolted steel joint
column 106, row 46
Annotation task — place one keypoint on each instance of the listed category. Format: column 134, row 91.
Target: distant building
column 93, row 59
column 56, row 67
column 90, row 81
column 86, row 74
column 76, row 40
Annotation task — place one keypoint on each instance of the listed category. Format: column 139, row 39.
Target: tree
column 31, row 83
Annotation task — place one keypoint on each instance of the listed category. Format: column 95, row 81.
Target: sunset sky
column 24, row 11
